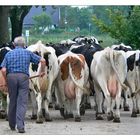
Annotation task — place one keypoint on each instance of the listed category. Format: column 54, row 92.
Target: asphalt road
column 88, row 126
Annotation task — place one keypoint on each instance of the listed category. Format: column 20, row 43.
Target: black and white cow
column 133, row 79
column 42, row 86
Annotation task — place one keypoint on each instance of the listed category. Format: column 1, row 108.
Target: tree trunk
column 4, row 32
column 17, row 15
column 16, row 27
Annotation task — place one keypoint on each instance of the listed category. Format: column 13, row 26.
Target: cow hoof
column 110, row 117
column 48, row 118
column 62, row 112
column 77, row 119
column 126, row 108
column 33, row 117
column 116, row 120
column 99, row 117
column 57, row 107
column 134, row 114
column 39, row 121
column 82, row 110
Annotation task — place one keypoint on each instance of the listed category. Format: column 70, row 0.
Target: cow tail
column 73, row 79
column 117, row 74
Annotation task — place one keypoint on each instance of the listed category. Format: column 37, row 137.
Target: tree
column 42, row 20
column 84, row 18
column 123, row 25
column 17, row 14
column 4, row 34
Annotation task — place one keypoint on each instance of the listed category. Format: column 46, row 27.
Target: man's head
column 19, row 41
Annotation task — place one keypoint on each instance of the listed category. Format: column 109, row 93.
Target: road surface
column 88, row 126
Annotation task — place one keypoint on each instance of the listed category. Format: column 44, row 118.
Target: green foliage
column 42, row 20
column 122, row 25
column 75, row 17
column 56, row 38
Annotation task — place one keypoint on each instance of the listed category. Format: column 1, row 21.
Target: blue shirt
column 18, row 60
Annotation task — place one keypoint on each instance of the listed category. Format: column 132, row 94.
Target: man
column 15, row 68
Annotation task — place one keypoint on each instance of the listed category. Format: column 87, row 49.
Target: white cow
column 108, row 70
column 72, row 83
column 42, row 86
column 124, row 48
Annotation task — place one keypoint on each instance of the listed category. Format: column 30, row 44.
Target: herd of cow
column 78, row 68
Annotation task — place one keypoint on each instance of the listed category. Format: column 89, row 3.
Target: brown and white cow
column 3, row 89
column 71, row 83
column 42, row 86
column 108, row 70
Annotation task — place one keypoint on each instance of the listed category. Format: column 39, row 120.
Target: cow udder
column 69, row 90
column 112, row 85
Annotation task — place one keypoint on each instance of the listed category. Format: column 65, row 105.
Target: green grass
column 57, row 37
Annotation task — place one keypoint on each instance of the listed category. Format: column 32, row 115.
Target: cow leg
column 117, row 111
column 67, row 107
column 2, row 109
column 60, row 97
column 83, row 104
column 57, row 106
column 125, row 102
column 134, row 110
column 137, row 103
column 39, row 111
column 109, row 111
column 47, row 114
column 87, row 102
column 7, row 108
column 77, row 105
column 98, row 102
column 34, row 105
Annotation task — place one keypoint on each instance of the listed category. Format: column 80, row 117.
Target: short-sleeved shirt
column 18, row 60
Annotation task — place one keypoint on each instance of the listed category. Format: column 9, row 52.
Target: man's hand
column 43, row 61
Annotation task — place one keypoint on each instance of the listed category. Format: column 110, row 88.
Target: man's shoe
column 21, row 130
column 12, row 128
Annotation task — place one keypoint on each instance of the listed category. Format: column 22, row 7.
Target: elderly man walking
column 15, row 68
